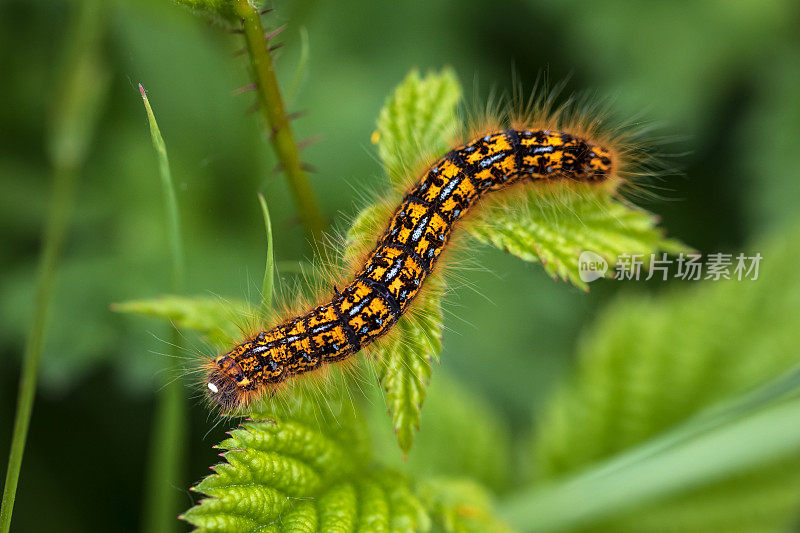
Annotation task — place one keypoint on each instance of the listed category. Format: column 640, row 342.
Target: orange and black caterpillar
column 405, row 255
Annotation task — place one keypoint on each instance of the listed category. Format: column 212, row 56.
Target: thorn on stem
column 274, row 33
column 296, row 114
column 245, row 88
column 305, row 143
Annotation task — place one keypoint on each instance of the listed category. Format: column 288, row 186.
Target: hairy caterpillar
column 406, row 252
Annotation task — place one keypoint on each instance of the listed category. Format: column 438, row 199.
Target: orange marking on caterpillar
column 406, row 252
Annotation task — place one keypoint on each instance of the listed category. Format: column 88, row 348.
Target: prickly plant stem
column 274, row 113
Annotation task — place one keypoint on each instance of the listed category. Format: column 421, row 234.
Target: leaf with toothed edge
column 405, row 364
column 304, row 468
column 462, row 435
column 296, row 468
column 404, row 359
column 554, row 230
column 218, row 320
column 417, row 122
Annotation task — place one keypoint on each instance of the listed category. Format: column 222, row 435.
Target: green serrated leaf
column 218, row 320
column 304, row 469
column 404, row 361
column 417, row 122
column 555, row 228
column 405, row 365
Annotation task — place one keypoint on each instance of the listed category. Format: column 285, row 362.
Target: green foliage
column 460, row 506
column 214, row 318
column 405, row 367
column 304, row 463
column 403, row 361
column 731, row 89
column 461, row 436
column 552, row 228
column 417, row 122
column 169, row 422
column 301, row 468
column 223, row 10
column 650, row 364
column 415, row 125
column 268, row 284
column 555, row 228
column 80, row 94
column 168, row 190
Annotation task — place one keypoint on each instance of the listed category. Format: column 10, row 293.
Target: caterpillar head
column 233, row 377
column 224, row 391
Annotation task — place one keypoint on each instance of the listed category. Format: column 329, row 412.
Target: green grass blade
column 268, row 285
column 170, row 200
column 80, row 98
column 61, row 205
column 162, row 501
column 756, row 429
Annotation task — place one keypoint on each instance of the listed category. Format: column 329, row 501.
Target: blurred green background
column 722, row 77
